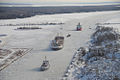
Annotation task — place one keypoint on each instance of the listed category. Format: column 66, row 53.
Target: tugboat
column 57, row 43
column 79, row 27
column 45, row 65
column 68, row 35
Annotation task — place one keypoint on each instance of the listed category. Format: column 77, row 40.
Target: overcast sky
column 55, row 1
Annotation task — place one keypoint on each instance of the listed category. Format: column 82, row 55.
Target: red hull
column 80, row 29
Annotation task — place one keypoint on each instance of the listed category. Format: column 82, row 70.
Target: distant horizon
column 58, row 1
column 15, row 3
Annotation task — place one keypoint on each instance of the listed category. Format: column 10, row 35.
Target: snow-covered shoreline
column 101, row 59
column 28, row 66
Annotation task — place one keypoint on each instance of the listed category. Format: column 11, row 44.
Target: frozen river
column 28, row 67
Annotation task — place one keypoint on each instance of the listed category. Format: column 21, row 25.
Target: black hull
column 56, row 49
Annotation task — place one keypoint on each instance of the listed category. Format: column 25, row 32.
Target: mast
column 45, row 58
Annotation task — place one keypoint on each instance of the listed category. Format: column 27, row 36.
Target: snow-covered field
column 9, row 56
column 27, row 67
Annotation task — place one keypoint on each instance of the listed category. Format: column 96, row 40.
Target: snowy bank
column 102, row 59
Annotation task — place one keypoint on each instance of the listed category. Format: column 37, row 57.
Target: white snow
column 27, row 67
